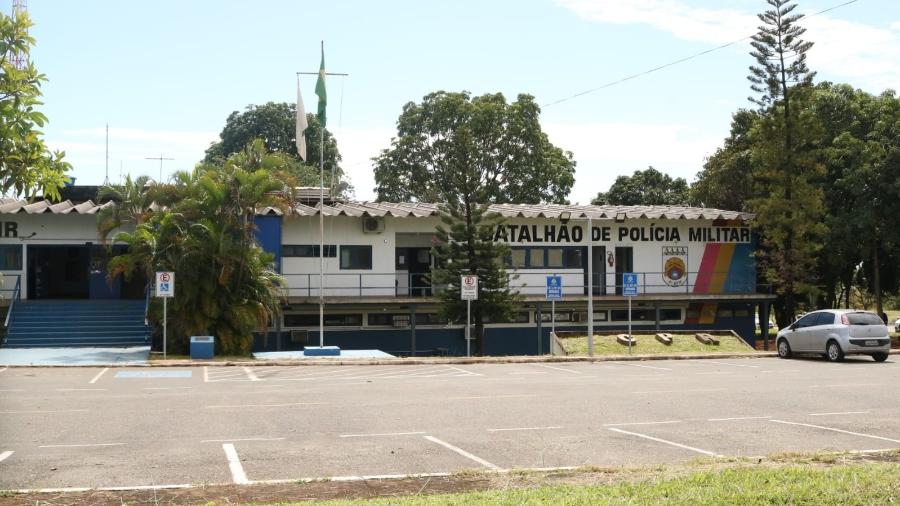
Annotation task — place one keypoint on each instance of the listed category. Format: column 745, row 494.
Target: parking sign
column 554, row 287
column 629, row 284
column 468, row 288
column 165, row 284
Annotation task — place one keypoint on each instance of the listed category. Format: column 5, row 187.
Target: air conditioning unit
column 299, row 336
column 372, row 225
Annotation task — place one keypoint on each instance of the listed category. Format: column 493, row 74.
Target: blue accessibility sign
column 554, row 287
column 629, row 284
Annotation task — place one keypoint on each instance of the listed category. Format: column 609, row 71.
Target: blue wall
column 268, row 235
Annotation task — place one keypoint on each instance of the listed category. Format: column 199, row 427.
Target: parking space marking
column 679, row 391
column 844, row 385
column 528, row 372
column 462, row 452
column 665, row 441
column 383, row 434
column 510, row 396
column 80, row 389
column 205, row 374
column 727, row 363
column 97, row 377
column 737, row 418
column 460, row 369
column 837, row 430
column 5, row 455
column 88, row 445
column 250, row 375
column 570, row 371
column 41, row 411
column 840, row 413
column 233, row 406
column 640, row 423
column 165, row 388
column 524, row 428
column 234, row 464
column 234, row 439
column 645, row 366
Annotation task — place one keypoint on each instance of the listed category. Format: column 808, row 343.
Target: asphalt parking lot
column 132, row 427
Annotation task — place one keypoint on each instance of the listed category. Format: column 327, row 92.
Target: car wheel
column 834, row 351
column 880, row 357
column 784, row 349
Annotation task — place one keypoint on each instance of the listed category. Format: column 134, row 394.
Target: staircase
column 67, row 323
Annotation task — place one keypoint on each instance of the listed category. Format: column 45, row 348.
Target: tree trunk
column 876, row 277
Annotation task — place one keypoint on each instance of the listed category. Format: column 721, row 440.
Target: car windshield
column 864, row 319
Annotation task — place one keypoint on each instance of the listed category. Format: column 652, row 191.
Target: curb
column 424, row 361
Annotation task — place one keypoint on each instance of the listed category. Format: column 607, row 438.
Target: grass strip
column 853, row 484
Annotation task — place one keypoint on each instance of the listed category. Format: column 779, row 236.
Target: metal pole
column 630, row 338
column 468, row 327
column 164, row 326
column 552, row 321
column 590, row 300
column 321, row 235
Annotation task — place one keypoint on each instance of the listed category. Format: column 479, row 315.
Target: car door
column 817, row 335
column 800, row 339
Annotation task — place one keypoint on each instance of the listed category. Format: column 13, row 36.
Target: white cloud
column 358, row 146
column 866, row 55
column 607, row 150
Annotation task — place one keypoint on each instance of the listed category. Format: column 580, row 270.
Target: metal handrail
column 12, row 301
column 147, row 305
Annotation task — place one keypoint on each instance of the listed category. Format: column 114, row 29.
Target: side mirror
column 793, row 327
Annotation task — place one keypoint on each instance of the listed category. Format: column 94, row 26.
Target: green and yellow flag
column 320, row 89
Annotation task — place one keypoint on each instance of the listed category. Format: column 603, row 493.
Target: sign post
column 554, row 293
column 629, row 289
column 165, row 288
column 468, row 291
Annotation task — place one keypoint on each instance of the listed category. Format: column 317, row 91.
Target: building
column 695, row 270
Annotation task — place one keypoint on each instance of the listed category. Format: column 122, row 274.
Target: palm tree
column 131, row 205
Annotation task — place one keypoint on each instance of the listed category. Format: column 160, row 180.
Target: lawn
column 858, row 484
column 647, row 344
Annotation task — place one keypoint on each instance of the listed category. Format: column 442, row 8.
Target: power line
column 676, row 62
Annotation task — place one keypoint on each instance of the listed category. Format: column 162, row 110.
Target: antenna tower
column 18, row 58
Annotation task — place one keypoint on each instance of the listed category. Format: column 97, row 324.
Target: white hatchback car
column 835, row 333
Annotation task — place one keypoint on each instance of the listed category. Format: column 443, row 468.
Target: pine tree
column 789, row 205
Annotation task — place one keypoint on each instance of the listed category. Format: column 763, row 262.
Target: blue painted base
column 321, row 351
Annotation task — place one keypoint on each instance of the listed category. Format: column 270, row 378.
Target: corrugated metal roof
column 424, row 210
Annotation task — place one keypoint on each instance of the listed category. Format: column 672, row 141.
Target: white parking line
column 462, row 452
column 250, row 375
column 460, row 369
column 524, row 428
column 645, row 366
column 382, row 434
column 510, row 396
column 82, row 445
column 80, row 389
column 231, row 406
column 840, row 413
column 726, row 363
column 43, row 411
column 640, row 423
column 234, row 464
column 678, row 391
column 165, row 388
column 570, row 371
column 5, row 455
column 737, row 418
column 844, row 385
column 242, row 439
column 838, row 430
column 528, row 372
column 99, row 374
column 205, row 374
column 665, row 441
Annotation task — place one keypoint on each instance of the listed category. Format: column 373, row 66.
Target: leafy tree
column 274, row 123
column 726, row 180
column 645, row 188
column 131, row 200
column 205, row 234
column 26, row 165
column 512, row 159
column 788, row 212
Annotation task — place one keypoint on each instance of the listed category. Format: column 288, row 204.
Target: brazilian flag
column 320, row 90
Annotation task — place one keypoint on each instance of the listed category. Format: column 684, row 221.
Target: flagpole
column 322, row 229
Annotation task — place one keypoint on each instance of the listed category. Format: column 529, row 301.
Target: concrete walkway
column 136, row 355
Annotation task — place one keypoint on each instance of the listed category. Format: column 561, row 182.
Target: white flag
column 301, row 123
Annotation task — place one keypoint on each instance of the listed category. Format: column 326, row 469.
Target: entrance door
column 599, row 269
column 624, row 263
column 59, row 272
column 101, row 287
column 419, row 269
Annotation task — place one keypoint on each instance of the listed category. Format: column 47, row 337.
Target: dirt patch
column 460, row 482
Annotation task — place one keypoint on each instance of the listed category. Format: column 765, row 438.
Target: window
column 331, row 320
column 670, row 314
column 572, row 258
column 10, row 257
column 561, row 316
column 600, row 316
column 864, row 319
column 545, row 257
column 554, row 257
column 807, row 321
column 307, row 250
column 826, row 319
column 517, row 258
column 536, row 258
column 621, row 315
column 356, row 257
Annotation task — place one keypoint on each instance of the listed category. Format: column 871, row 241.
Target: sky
column 165, row 74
